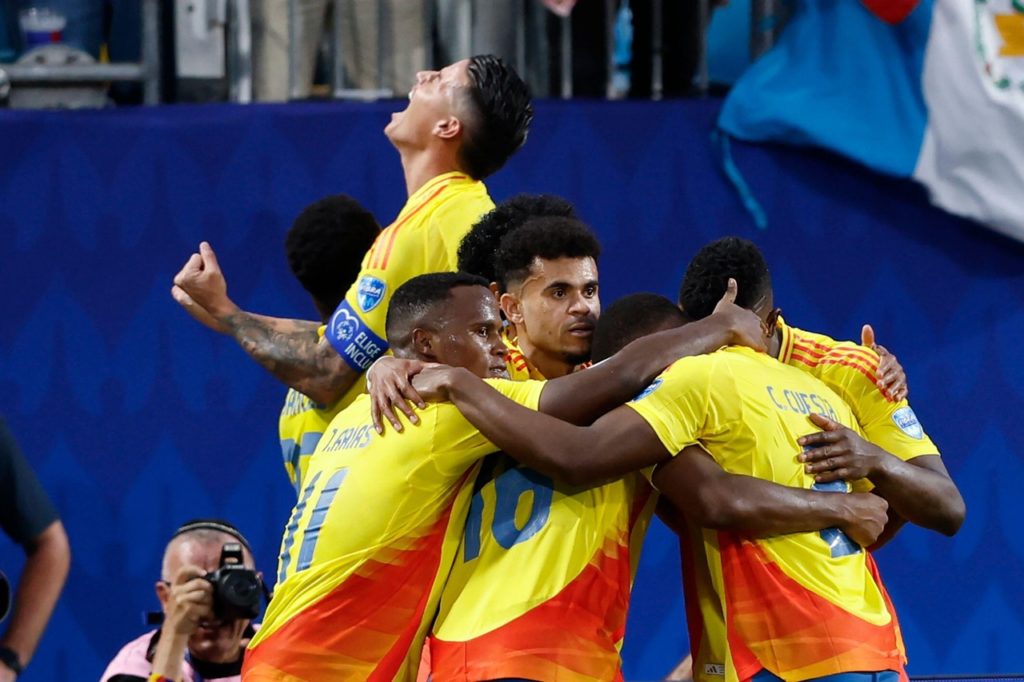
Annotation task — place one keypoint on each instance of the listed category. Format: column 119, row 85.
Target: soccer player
column 563, row 616
column 376, row 526
column 923, row 493
column 477, row 250
column 805, row 604
column 461, row 125
column 325, row 247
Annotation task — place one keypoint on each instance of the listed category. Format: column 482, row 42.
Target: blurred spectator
column 402, row 23
column 28, row 517
column 192, row 644
column 492, row 29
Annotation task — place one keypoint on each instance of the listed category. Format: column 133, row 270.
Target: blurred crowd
column 610, row 47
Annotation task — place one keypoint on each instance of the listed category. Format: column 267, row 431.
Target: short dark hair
column 546, row 238
column 630, row 318
column 476, row 252
column 709, row 272
column 500, row 115
column 416, row 299
column 326, row 245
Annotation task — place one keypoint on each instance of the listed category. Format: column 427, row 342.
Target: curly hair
column 477, row 250
column 708, row 274
column 326, row 244
column 547, row 238
column 500, row 115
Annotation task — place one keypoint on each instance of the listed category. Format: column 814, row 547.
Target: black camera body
column 236, row 589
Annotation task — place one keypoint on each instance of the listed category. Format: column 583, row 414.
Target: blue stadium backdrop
column 136, row 418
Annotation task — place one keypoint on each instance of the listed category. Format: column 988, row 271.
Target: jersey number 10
column 509, row 488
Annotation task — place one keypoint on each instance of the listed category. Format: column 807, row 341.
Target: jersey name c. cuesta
column 801, row 605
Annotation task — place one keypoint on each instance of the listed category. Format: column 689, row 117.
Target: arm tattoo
column 291, row 350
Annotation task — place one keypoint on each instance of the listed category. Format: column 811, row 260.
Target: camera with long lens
column 236, row 589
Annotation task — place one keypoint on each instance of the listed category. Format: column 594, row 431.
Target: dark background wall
column 136, row 418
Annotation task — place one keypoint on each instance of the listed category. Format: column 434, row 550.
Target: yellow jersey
column 851, row 370
column 424, row 238
column 369, row 545
column 801, row 605
column 301, row 424
column 540, row 586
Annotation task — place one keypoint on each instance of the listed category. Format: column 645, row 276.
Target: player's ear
column 512, row 308
column 424, row 343
column 448, row 128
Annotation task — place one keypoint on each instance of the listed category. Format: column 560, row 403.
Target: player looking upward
column 461, row 125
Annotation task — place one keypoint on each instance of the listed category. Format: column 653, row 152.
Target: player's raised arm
column 291, row 350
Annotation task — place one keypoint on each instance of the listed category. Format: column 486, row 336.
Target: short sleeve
column 25, row 509
column 675, row 404
column 456, row 443
column 892, row 426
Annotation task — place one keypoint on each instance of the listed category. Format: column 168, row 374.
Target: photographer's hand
column 189, row 601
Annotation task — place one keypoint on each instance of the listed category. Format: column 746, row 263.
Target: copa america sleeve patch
column 907, row 421
column 353, row 339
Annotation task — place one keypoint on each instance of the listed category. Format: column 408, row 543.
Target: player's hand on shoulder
column 434, row 384
column 189, row 602
column 389, row 382
column 746, row 328
column 837, row 453
column 867, row 516
column 892, row 380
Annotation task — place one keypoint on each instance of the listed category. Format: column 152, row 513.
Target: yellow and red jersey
column 801, row 605
column 540, row 585
column 302, row 423
column 424, row 238
column 369, row 545
column 851, row 370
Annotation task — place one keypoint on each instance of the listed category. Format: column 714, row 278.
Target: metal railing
column 146, row 71
column 238, row 25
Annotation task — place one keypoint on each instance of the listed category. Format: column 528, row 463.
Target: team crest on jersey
column 907, row 421
column 344, row 324
column 649, row 390
column 370, row 293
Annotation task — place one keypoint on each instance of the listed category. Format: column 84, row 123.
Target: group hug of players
column 477, row 448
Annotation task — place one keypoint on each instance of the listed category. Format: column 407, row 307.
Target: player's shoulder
column 825, row 353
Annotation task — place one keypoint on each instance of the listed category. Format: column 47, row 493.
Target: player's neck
column 422, row 166
column 550, row 365
column 775, row 344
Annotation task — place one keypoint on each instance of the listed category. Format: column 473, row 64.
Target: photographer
column 203, row 635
